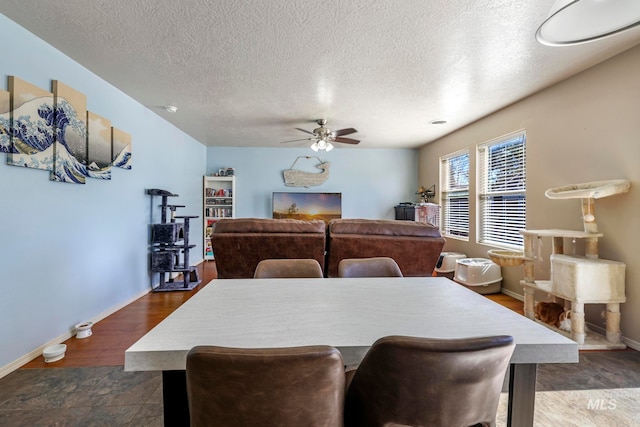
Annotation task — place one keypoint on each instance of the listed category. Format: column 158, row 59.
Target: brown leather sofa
column 240, row 244
column 415, row 246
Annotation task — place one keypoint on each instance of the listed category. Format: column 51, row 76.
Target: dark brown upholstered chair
column 239, row 244
column 428, row 382
column 273, row 268
column 297, row 386
column 415, row 246
column 369, row 267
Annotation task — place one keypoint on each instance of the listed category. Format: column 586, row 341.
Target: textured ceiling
column 247, row 73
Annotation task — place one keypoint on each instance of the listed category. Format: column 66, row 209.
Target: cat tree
column 170, row 247
column 575, row 279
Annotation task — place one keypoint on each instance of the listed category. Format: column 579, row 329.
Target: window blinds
column 501, row 191
column 454, row 170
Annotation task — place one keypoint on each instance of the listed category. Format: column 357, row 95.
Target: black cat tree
column 170, row 247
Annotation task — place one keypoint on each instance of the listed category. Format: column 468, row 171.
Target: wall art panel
column 5, row 121
column 31, row 139
column 121, row 149
column 70, row 136
column 99, row 154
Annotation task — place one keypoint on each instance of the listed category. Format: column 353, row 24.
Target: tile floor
column 603, row 390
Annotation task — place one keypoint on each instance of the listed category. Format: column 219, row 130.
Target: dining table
column 349, row 314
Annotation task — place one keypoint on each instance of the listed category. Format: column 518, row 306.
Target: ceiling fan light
column 573, row 22
column 314, row 146
column 329, row 146
column 322, row 144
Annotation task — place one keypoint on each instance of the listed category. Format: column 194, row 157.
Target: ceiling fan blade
column 305, row 131
column 346, row 140
column 296, row 140
column 344, row 132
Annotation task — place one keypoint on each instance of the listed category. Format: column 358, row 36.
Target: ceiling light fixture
column 322, row 144
column 171, row 108
column 573, row 22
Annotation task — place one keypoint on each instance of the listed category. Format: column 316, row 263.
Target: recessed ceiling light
column 171, row 108
column 438, row 122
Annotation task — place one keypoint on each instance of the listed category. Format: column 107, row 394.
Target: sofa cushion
column 239, row 244
column 262, row 225
column 382, row 227
column 414, row 246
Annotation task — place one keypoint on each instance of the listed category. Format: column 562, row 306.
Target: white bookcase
column 218, row 202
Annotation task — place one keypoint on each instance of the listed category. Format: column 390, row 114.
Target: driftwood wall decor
column 299, row 178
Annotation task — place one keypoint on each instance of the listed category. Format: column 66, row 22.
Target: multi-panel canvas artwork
column 54, row 131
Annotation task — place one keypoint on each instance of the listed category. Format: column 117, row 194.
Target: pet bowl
column 54, row 353
column 83, row 330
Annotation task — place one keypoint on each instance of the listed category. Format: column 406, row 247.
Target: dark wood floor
column 117, row 332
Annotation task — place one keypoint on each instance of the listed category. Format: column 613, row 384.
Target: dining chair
column 428, row 382
column 274, row 268
column 296, row 386
column 369, row 267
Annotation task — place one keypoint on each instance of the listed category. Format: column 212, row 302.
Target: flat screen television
column 324, row 206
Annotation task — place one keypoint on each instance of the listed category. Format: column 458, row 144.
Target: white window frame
column 501, row 190
column 454, row 195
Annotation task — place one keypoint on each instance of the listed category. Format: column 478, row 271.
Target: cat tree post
column 613, row 323
column 577, row 322
column 529, row 292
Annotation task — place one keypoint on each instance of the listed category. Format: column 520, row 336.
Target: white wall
column 586, row 128
column 72, row 252
column 372, row 181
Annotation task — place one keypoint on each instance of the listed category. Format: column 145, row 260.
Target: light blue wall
column 372, row 181
column 71, row 252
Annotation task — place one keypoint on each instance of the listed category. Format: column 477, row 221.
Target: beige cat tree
column 575, row 279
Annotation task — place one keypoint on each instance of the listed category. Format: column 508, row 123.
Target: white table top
column 349, row 314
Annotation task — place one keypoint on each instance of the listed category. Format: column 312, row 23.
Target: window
column 454, row 184
column 501, row 191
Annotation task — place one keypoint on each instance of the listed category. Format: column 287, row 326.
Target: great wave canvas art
column 50, row 131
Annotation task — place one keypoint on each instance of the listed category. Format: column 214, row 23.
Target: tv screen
column 324, row 206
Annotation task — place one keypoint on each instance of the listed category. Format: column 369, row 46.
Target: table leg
column 174, row 398
column 522, row 394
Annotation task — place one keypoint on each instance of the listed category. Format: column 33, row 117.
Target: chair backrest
column 369, row 267
column 429, row 382
column 274, row 268
column 297, row 386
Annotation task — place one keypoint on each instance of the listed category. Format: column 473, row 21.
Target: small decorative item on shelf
column 224, row 172
column 426, row 194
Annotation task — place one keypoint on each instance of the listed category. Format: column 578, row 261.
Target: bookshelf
column 218, row 202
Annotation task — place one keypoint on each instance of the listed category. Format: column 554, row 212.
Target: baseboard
column 602, row 331
column 512, row 294
column 7, row 369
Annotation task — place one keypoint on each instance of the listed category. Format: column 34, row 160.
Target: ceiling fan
column 323, row 137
